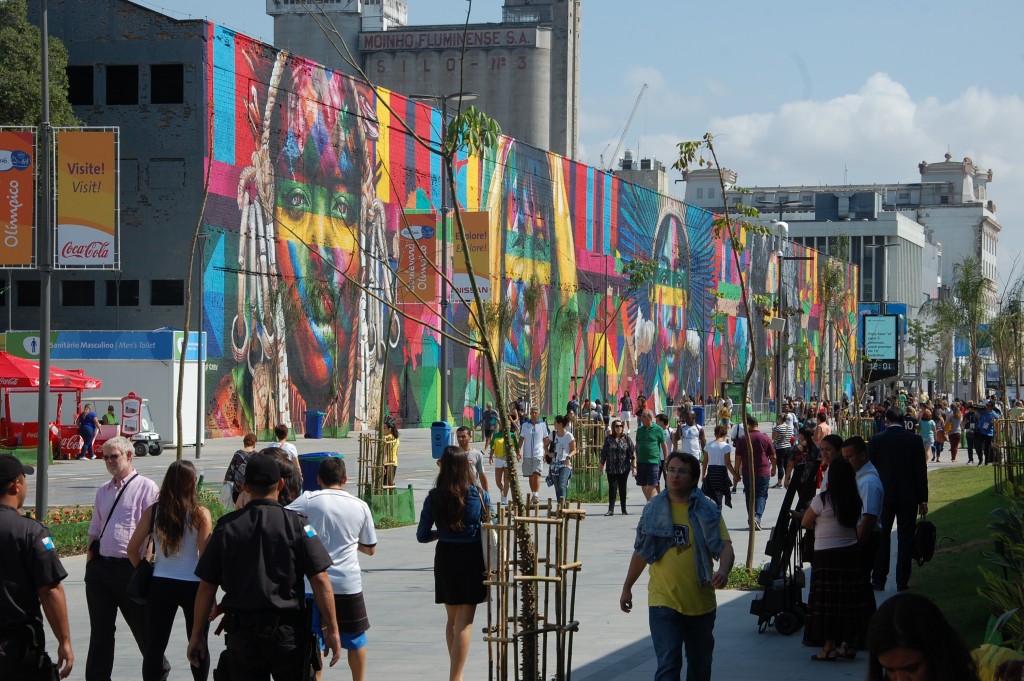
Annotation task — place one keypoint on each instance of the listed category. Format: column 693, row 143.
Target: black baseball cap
column 262, row 470
column 11, row 468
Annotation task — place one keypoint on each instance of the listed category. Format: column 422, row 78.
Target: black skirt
column 459, row 573
column 840, row 601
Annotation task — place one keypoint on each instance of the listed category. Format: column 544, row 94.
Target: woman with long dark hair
column 837, row 605
column 909, row 638
column 618, row 460
column 456, row 506
column 180, row 528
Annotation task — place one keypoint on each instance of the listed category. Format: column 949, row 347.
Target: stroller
column 781, row 604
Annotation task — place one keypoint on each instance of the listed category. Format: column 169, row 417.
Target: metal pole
column 44, row 260
column 778, row 349
column 199, row 351
column 443, row 357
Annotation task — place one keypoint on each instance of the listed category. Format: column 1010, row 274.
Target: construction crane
column 625, row 131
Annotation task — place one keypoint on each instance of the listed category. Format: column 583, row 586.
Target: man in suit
column 899, row 457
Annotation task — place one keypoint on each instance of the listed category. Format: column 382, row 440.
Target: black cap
column 262, row 470
column 11, row 468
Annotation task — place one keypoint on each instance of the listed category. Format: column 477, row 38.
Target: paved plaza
column 406, row 638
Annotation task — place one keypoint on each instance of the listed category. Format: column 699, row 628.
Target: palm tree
column 968, row 307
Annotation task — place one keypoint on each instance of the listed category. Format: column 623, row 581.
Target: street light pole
column 44, row 259
column 443, row 232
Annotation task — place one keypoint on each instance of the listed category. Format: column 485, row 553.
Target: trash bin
column 440, row 432
column 314, row 425
column 698, row 415
column 309, row 464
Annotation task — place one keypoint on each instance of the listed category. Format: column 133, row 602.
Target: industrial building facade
column 524, row 70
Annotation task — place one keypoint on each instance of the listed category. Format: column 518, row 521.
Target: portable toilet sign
column 131, row 414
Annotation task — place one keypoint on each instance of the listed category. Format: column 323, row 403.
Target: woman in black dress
column 455, row 506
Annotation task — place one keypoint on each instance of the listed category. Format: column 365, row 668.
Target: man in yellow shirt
column 680, row 533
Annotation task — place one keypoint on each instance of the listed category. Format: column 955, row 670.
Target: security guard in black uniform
column 30, row 575
column 259, row 556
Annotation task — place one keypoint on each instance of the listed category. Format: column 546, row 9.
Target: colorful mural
column 314, row 182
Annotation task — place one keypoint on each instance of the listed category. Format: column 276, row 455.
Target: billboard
column 87, row 199
column 417, row 256
column 477, row 228
column 17, row 197
column 881, row 345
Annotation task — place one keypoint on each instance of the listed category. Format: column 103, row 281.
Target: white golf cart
column 146, row 441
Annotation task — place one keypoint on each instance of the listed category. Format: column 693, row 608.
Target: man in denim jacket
column 680, row 533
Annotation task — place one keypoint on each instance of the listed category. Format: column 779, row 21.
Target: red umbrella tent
column 22, row 374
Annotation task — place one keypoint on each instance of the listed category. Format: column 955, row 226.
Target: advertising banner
column 882, row 346
column 477, row 227
column 417, row 253
column 17, row 197
column 87, row 197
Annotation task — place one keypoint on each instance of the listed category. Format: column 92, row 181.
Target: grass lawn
column 960, row 502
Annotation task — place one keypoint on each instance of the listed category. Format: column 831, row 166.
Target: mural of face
column 314, row 175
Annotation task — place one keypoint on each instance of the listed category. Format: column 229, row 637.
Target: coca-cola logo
column 95, row 250
column 8, row 381
column 73, row 443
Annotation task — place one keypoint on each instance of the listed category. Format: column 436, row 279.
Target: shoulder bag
column 488, row 537
column 138, row 586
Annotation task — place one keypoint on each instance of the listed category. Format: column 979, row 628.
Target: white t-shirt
column 289, row 449
column 737, row 431
column 717, row 451
column 476, row 463
column 869, row 486
column 532, row 435
column 690, row 440
column 562, row 443
column 342, row 522
column 828, row 533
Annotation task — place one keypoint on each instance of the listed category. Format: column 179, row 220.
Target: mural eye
column 296, row 202
column 341, row 207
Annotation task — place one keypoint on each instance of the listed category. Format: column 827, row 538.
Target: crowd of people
column 303, row 573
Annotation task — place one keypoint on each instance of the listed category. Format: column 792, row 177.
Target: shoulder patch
column 310, row 532
column 48, row 543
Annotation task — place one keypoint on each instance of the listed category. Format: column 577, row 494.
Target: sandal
column 831, row 655
column 847, row 653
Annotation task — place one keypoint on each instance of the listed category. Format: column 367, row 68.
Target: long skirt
column 840, row 601
column 459, row 573
column 717, row 485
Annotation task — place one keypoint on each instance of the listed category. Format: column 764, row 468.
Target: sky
column 796, row 92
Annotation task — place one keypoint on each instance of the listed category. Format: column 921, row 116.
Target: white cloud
column 877, row 134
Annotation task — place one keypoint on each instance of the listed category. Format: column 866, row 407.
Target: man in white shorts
column 345, row 526
column 626, row 410
column 534, row 436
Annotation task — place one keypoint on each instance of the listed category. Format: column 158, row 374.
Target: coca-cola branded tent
column 21, row 374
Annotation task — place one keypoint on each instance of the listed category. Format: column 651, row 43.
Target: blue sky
column 796, row 91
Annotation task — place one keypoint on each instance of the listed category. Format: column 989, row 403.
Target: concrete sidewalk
column 406, row 639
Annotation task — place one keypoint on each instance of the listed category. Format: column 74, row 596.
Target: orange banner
column 477, row 228
column 417, row 254
column 17, row 194
column 86, row 199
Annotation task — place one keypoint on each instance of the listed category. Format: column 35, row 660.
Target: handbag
column 227, row 496
column 138, row 586
column 923, row 547
column 549, row 455
column 488, row 537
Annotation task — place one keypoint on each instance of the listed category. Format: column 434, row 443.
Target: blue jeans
column 760, row 494
column 562, row 482
column 671, row 632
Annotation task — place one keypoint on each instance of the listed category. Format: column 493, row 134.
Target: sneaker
column 757, row 524
column 80, row 457
column 504, row 500
column 777, row 486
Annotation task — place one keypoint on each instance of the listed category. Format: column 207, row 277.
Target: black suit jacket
column 899, row 457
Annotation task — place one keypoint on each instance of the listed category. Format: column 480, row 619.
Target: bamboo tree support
column 555, row 534
column 375, row 473
column 586, row 482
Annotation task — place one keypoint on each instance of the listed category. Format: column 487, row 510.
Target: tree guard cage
column 1008, row 457
column 376, row 474
column 555, row 532
column 587, row 484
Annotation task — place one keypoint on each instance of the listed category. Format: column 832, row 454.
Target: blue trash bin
column 698, row 415
column 314, row 425
column 309, row 464
column 440, row 432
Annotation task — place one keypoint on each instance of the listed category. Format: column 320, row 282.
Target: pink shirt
column 140, row 495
